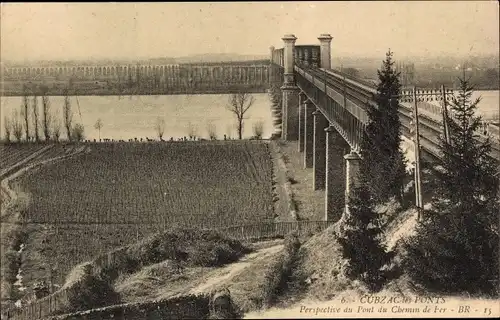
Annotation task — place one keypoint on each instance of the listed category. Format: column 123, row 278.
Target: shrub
column 11, row 258
column 212, row 253
column 41, row 289
column 279, row 274
column 78, row 132
column 258, row 129
column 292, row 243
column 89, row 292
column 11, row 263
column 196, row 247
column 122, row 264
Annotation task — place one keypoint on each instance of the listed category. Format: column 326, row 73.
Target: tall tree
column 17, row 126
column 380, row 147
column 25, row 114
column 456, row 246
column 212, row 131
column 191, row 131
column 8, row 128
column 361, row 242
column 276, row 97
column 35, row 117
column 160, row 128
column 46, row 116
column 67, row 114
column 98, row 125
column 56, row 129
column 239, row 104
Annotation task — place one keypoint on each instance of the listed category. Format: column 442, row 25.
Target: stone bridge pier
column 335, row 164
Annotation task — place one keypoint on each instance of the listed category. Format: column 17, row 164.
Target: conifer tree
column 383, row 160
column 456, row 247
column 360, row 239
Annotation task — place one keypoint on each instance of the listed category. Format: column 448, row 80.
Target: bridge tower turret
column 290, row 92
column 325, row 51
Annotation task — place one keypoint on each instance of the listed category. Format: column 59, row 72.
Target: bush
column 279, row 274
column 41, row 289
column 258, row 129
column 89, row 292
column 196, row 247
column 78, row 132
column 11, row 259
column 444, row 258
column 292, row 244
column 122, row 264
column 11, row 263
column 216, row 253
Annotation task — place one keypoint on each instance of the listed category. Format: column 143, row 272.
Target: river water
column 489, row 107
column 128, row 117
column 136, row 116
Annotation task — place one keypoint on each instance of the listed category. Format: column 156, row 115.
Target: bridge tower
column 306, row 118
column 290, row 92
column 325, row 51
column 326, row 111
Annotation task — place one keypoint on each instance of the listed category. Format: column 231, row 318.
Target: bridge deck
column 356, row 95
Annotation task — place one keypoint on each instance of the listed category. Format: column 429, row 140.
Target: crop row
column 11, row 154
column 119, row 193
column 154, row 184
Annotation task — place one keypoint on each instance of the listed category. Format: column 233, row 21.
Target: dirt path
column 5, row 183
column 26, row 159
column 219, row 277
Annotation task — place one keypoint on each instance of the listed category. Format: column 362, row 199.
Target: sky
column 63, row 31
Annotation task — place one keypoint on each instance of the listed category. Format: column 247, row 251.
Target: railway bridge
column 323, row 109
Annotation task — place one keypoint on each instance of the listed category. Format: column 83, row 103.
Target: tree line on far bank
column 30, row 124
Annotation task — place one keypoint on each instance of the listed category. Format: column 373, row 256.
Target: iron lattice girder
column 425, row 95
column 343, row 101
column 349, row 125
column 356, row 95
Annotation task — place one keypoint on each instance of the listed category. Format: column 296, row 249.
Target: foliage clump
column 456, row 248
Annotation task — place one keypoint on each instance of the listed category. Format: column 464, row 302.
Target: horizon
column 260, row 57
column 139, row 31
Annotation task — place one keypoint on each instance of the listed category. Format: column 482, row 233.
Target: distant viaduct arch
column 232, row 72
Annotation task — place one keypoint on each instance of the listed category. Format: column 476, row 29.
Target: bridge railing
column 354, row 96
column 365, row 84
column 433, row 111
column 303, row 55
column 346, row 116
column 336, row 87
column 278, row 57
